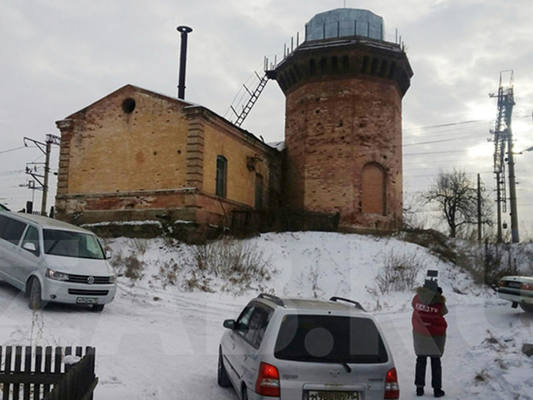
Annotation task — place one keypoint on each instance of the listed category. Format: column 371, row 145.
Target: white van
column 52, row 261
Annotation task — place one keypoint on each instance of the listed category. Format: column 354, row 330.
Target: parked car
column 3, row 208
column 306, row 349
column 52, row 261
column 518, row 290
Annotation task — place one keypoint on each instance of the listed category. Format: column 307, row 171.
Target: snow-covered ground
column 157, row 340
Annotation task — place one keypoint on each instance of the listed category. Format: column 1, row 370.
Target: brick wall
column 334, row 127
column 114, row 151
column 119, row 162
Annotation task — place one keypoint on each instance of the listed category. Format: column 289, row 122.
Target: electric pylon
column 503, row 154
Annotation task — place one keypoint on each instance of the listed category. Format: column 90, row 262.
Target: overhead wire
column 455, row 123
column 13, row 149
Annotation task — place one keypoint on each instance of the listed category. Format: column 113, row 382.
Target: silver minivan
column 52, row 261
column 298, row 349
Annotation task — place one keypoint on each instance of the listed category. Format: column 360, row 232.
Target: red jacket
column 428, row 310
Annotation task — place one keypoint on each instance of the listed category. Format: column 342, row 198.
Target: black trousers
column 436, row 372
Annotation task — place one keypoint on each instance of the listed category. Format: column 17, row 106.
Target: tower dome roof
column 343, row 22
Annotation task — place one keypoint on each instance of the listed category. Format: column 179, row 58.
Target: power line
column 455, row 123
column 433, row 152
column 437, row 173
column 438, row 141
column 13, row 149
column 459, row 133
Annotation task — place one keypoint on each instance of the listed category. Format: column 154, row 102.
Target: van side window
column 32, row 236
column 11, row 229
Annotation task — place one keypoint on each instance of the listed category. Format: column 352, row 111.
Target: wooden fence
column 29, row 373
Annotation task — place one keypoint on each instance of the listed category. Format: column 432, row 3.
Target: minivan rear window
column 330, row 339
column 72, row 244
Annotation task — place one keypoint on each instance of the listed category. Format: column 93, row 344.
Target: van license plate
column 86, row 300
column 327, row 395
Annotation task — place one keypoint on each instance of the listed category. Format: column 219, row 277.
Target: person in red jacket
column 429, row 335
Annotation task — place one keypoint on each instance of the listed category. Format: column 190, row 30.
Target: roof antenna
column 184, row 30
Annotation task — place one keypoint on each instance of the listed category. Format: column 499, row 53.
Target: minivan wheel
column 222, row 375
column 35, row 302
column 98, row 307
column 527, row 307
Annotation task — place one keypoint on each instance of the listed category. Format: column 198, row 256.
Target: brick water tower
column 343, row 130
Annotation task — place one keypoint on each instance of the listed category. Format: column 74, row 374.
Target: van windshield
column 72, row 244
column 330, row 339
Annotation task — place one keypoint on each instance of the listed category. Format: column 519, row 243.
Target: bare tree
column 456, row 196
column 413, row 207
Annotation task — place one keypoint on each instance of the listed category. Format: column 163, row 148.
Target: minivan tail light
column 392, row 389
column 267, row 383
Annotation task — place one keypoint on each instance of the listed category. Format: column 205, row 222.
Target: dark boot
column 420, row 390
column 438, row 392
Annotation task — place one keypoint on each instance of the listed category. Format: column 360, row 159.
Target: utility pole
column 515, row 237
column 499, row 208
column 479, row 226
column 46, row 171
column 46, row 149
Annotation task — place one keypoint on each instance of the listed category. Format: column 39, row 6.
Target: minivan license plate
column 327, row 395
column 86, row 300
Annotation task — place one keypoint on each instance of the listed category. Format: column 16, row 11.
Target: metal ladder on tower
column 251, row 101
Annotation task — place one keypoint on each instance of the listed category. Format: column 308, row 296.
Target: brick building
column 139, row 155
column 343, row 123
column 136, row 155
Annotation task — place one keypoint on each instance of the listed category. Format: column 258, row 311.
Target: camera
column 431, row 280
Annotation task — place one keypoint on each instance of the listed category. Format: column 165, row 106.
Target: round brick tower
column 343, row 129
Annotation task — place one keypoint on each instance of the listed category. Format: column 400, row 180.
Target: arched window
column 222, row 171
column 373, row 196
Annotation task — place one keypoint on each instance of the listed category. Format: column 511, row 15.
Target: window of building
column 373, row 198
column 222, row 167
column 258, row 191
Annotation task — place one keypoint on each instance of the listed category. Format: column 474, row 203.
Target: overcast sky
column 58, row 56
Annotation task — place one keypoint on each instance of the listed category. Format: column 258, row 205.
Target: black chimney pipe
column 184, row 30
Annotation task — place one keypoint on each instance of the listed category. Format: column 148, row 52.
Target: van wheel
column 527, row 307
column 244, row 395
column 98, row 307
column 35, row 302
column 222, row 375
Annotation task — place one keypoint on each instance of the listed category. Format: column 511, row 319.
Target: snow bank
column 306, row 264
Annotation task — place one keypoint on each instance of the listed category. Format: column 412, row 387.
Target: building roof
column 343, row 22
column 133, row 87
column 187, row 105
